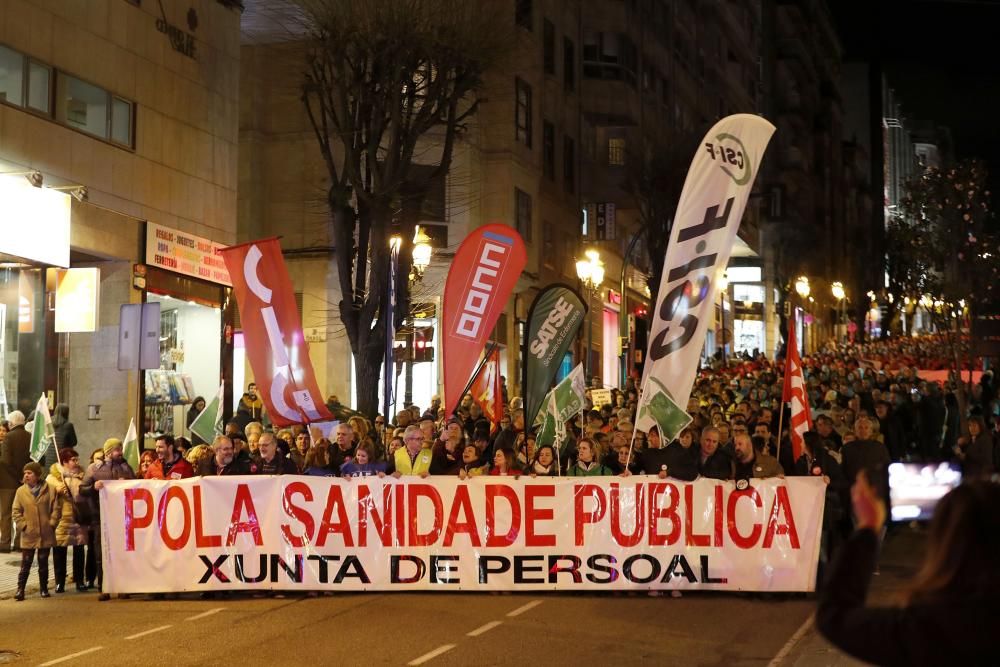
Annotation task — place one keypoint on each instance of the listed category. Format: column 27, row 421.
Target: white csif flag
column 711, row 206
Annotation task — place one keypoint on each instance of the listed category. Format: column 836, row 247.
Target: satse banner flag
column 276, row 347
column 482, row 276
column 711, row 206
column 317, row 533
column 554, row 319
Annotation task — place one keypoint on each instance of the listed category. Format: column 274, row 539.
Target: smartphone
column 916, row 488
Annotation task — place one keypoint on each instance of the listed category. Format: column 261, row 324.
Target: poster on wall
column 184, row 253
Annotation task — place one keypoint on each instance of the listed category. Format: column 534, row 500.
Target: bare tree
column 388, row 82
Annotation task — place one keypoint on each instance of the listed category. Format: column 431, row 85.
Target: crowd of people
column 869, row 406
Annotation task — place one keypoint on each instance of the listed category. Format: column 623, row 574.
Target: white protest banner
column 708, row 215
column 311, row 533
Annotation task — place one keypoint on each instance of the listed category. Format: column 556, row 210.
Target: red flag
column 486, row 388
column 278, row 352
column 482, row 276
column 795, row 393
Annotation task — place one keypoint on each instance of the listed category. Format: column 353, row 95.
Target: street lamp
column 590, row 271
column 723, row 283
column 837, row 289
column 421, row 253
column 802, row 286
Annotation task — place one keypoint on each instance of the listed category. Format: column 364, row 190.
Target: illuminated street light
column 590, row 271
column 802, row 286
column 838, row 290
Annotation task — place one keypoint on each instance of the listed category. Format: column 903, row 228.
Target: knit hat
column 33, row 467
column 110, row 445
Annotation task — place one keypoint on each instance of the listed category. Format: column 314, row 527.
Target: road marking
column 204, row 614
column 483, row 629
column 70, row 656
column 430, row 656
column 148, row 632
column 790, row 644
column 528, row 607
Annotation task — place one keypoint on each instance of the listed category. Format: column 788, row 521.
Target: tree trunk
column 368, row 363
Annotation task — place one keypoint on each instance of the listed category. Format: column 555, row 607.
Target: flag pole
column 635, row 422
column 479, row 367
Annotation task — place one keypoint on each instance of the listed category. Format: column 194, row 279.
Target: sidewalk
column 901, row 556
column 10, row 565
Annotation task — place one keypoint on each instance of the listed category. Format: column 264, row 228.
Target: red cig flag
column 278, row 352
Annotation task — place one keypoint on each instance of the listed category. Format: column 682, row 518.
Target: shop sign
column 77, row 299
column 607, row 226
column 181, row 41
column 185, row 253
column 614, row 298
column 41, row 218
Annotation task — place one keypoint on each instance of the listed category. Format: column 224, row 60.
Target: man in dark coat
column 713, row 462
column 270, row 460
column 13, row 458
column 869, row 455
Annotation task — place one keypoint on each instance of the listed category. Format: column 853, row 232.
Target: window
column 522, row 13
column 549, row 251
column 549, row 150
column 11, row 76
column 84, row 106
column 522, row 207
column 40, row 87
column 88, row 108
column 522, row 112
column 121, row 121
column 609, row 55
column 616, row 152
column 569, row 164
column 569, row 64
column 549, row 47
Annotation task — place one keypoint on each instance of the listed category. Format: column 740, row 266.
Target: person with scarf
column 504, row 463
column 470, row 463
column 33, row 515
column 544, row 463
column 586, row 464
column 70, row 521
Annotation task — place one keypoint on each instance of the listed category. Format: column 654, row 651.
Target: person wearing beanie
column 113, row 467
column 32, row 512
column 70, row 517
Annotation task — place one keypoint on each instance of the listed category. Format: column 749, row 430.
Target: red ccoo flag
column 487, row 390
column 795, row 394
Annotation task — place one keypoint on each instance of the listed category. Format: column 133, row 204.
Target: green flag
column 566, row 400
column 208, row 424
column 661, row 408
column 130, row 447
column 41, row 430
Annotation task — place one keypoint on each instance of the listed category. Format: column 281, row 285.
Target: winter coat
column 761, row 467
column 106, row 471
column 950, row 629
column 978, row 462
column 181, row 469
column 13, row 457
column 34, row 517
column 69, row 532
column 595, row 470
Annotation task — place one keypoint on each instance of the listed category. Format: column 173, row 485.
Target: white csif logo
column 282, row 371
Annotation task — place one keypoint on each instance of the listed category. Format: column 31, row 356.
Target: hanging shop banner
column 319, row 533
column 482, row 277
column 554, row 319
column 708, row 215
column 184, row 253
column 78, row 293
column 275, row 346
column 487, row 388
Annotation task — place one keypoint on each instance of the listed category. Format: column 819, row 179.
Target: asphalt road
column 399, row 629
column 435, row 629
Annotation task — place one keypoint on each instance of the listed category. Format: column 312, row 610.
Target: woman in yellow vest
column 412, row 458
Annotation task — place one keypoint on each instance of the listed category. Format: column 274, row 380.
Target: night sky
column 941, row 57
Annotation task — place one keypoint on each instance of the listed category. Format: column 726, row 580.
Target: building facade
column 117, row 121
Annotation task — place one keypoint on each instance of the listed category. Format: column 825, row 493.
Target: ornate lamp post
column 590, row 271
